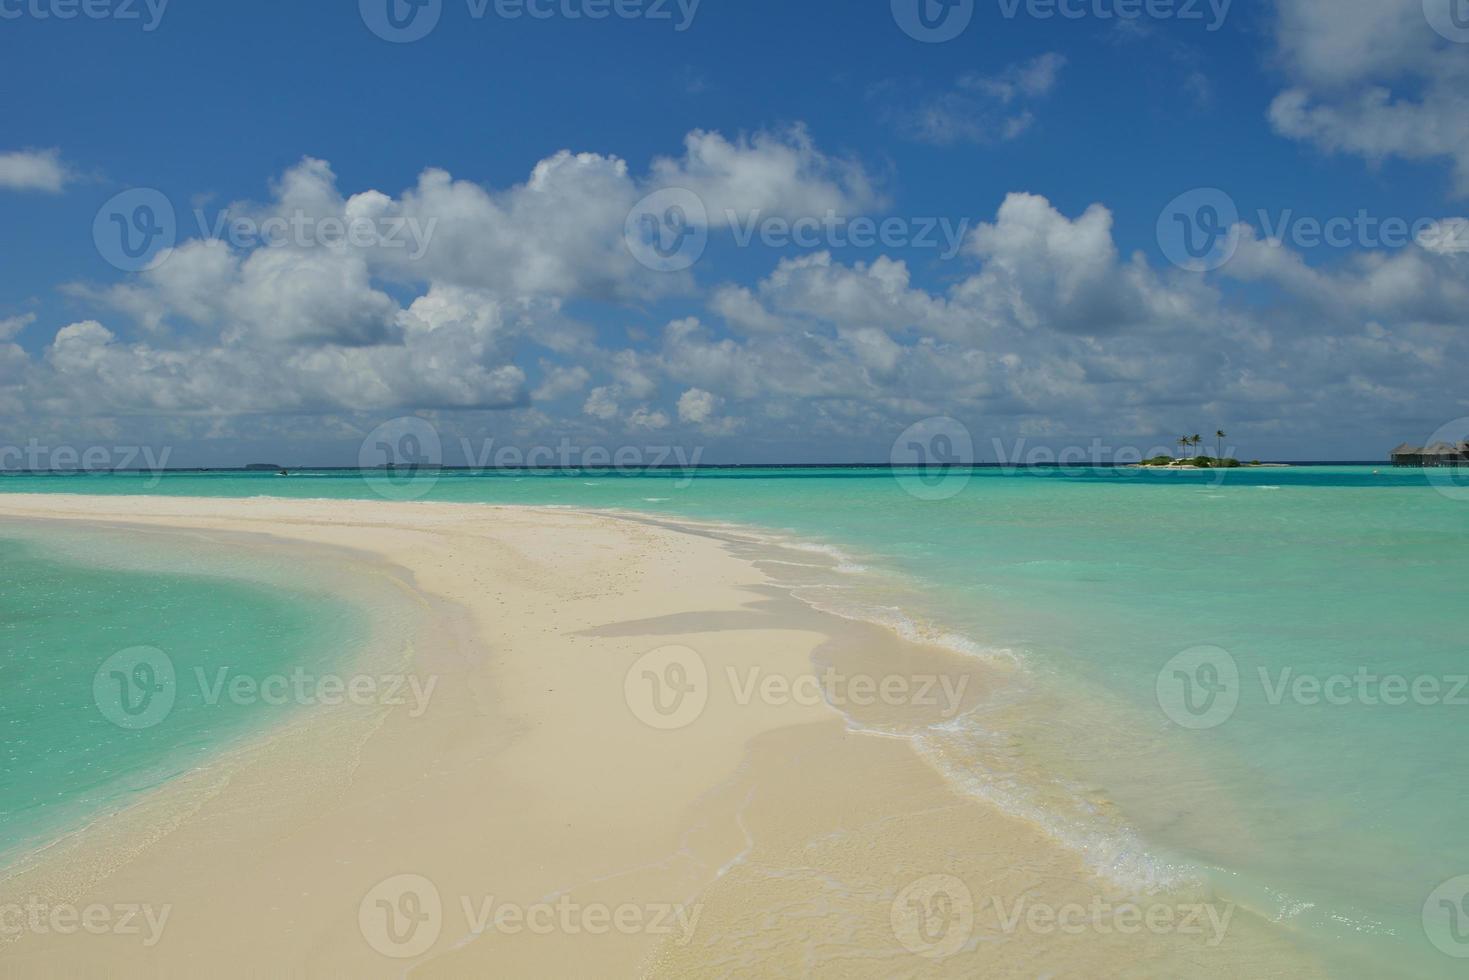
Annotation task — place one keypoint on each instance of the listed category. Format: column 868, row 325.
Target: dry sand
column 724, row 834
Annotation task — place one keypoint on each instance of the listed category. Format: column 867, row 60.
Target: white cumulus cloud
column 33, row 170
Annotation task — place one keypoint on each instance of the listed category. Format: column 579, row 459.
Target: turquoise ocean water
column 113, row 648
column 1215, row 655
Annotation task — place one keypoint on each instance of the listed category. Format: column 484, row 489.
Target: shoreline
column 371, row 591
column 532, row 780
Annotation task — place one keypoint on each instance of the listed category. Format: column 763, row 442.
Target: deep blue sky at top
column 224, row 96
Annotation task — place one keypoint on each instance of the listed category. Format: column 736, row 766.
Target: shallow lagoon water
column 128, row 660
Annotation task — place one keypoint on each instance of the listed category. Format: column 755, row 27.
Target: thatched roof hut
column 1437, row 454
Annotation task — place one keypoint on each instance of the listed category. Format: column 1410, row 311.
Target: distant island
column 264, row 467
column 1199, row 462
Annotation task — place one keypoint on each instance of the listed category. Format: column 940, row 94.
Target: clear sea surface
column 1253, row 678
column 116, row 650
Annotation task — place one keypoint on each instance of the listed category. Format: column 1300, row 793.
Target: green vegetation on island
column 1199, row 462
column 1195, row 462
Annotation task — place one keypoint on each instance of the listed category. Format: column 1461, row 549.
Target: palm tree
column 1184, row 442
column 1196, row 440
column 1219, row 434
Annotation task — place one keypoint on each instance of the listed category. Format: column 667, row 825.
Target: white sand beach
column 584, row 788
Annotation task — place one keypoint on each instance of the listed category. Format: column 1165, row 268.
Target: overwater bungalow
column 1438, row 454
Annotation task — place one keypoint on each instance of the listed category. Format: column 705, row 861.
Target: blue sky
column 1047, row 147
